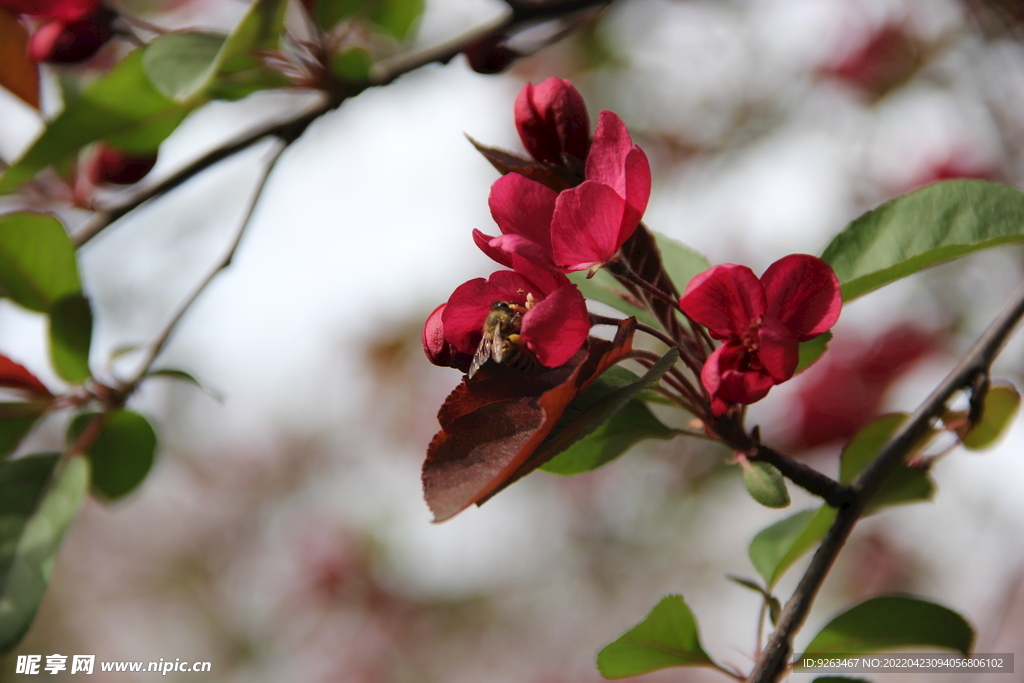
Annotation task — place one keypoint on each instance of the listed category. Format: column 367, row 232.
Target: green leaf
column 775, row 548
column 1000, row 407
column 634, row 423
column 774, row 606
column 605, row 288
column 180, row 65
column 935, row 224
column 121, row 105
column 595, row 407
column 259, row 29
column 893, row 621
column 182, row 376
column 396, row 17
column 352, row 65
column 679, row 261
column 904, row 485
column 811, row 350
column 32, row 523
column 668, row 636
column 331, row 12
column 37, row 260
column 70, row 337
column 16, row 420
column 121, row 455
column 765, row 484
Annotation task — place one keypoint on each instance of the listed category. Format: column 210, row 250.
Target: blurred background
column 282, row 534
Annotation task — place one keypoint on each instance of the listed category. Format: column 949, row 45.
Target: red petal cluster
column 546, row 233
column 761, row 323
column 71, row 31
column 581, row 227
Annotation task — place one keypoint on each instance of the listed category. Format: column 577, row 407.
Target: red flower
column 112, row 165
column 72, row 30
column 552, row 122
column 65, row 11
column 58, row 42
column 593, row 219
column 761, row 322
column 554, row 326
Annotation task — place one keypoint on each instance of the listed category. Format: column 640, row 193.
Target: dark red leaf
column 492, row 425
column 16, row 376
column 558, row 178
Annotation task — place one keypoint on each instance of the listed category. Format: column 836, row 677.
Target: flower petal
column 556, row 328
column 521, row 206
column 495, row 253
column 725, row 299
column 606, row 162
column 779, row 350
column 638, row 190
column 437, row 348
column 728, row 383
column 463, row 317
column 585, row 228
column 803, row 293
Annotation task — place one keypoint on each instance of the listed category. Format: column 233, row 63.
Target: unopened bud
column 69, row 43
column 111, row 165
column 552, row 121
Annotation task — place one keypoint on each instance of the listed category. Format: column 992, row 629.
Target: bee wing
column 482, row 355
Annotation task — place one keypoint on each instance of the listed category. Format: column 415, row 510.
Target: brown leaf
column 558, row 178
column 18, row 73
column 492, row 425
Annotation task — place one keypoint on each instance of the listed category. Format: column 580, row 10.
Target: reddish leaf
column 18, row 73
column 492, row 425
column 16, row 376
column 558, row 178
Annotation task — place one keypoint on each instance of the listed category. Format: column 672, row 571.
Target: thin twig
column 291, row 129
column 165, row 336
column 773, row 660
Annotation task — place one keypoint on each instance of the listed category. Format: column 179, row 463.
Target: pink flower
column 761, row 322
column 554, row 326
column 552, row 122
column 592, row 220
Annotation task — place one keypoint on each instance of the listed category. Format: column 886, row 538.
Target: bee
column 501, row 341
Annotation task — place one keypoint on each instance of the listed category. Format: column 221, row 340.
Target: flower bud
column 69, row 43
column 489, row 55
column 552, row 121
column 111, row 165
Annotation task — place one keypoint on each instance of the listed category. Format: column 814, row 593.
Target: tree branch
column 161, row 341
column 834, row 493
column 773, row 660
column 523, row 14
